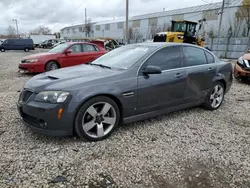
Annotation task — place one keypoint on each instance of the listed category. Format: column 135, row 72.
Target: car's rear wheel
column 2, row 50
column 215, row 97
column 52, row 65
column 26, row 49
column 97, row 118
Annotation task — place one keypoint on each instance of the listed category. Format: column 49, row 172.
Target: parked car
column 127, row 84
column 242, row 68
column 58, row 43
column 48, row 43
column 64, row 55
column 17, row 44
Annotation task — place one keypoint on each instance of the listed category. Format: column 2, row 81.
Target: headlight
column 52, row 96
column 31, row 60
column 240, row 60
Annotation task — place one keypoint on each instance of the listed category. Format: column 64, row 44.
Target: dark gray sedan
column 128, row 84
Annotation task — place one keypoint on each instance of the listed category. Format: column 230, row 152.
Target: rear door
column 73, row 58
column 166, row 89
column 201, row 70
column 90, row 53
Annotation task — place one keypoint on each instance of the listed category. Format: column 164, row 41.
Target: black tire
column 2, row 50
column 26, row 49
column 83, row 110
column 208, row 103
column 52, row 65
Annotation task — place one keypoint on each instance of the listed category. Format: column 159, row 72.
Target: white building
column 144, row 25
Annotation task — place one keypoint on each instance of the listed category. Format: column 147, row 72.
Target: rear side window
column 167, row 58
column 210, row 57
column 194, row 56
column 88, row 48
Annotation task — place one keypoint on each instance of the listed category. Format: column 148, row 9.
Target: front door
column 163, row 90
column 201, row 70
column 73, row 58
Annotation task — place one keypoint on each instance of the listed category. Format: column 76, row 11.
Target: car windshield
column 59, row 49
column 123, row 57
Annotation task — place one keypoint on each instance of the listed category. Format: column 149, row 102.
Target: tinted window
column 167, row 58
column 210, row 57
column 194, row 56
column 88, row 48
column 76, row 48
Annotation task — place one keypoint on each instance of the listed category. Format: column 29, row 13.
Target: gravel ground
column 192, row 148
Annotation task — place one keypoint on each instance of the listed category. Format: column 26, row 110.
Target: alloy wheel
column 99, row 119
column 216, row 96
column 53, row 66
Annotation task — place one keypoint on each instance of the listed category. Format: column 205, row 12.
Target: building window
column 120, row 25
column 107, row 26
column 73, row 30
column 136, row 23
column 67, row 30
column 210, row 14
column 97, row 27
column 152, row 21
column 62, row 31
column 178, row 17
column 80, row 29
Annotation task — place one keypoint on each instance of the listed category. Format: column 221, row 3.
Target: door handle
column 210, row 68
column 178, row 75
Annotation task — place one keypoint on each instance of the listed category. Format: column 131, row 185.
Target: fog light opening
column 59, row 115
column 42, row 124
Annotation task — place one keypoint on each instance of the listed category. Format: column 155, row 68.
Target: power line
column 79, row 5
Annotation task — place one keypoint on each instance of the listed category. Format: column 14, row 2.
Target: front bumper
column 32, row 67
column 240, row 72
column 43, row 117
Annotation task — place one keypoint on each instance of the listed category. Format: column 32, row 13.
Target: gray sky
column 60, row 13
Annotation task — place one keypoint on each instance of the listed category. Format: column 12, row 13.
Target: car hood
column 39, row 55
column 247, row 56
column 71, row 78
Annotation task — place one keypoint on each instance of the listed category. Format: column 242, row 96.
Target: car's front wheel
column 52, row 65
column 215, row 97
column 2, row 50
column 97, row 118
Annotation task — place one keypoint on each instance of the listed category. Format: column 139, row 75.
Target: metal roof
column 186, row 10
column 211, row 6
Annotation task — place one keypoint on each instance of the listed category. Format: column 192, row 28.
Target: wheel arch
column 221, row 78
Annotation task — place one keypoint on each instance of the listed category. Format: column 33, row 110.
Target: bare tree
column 41, row 30
column 243, row 13
column 88, row 27
column 11, row 31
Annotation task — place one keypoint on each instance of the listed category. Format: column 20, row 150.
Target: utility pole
column 127, row 7
column 222, row 11
column 86, row 22
column 15, row 20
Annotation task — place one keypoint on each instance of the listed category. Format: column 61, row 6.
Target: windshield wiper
column 100, row 65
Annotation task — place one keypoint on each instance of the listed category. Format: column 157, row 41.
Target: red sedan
column 64, row 55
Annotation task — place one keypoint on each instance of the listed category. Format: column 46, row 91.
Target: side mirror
column 68, row 52
column 152, row 70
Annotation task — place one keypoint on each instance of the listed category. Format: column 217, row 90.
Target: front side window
column 167, row 58
column 194, row 56
column 88, row 48
column 76, row 48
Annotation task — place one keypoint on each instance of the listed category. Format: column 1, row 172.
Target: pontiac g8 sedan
column 128, row 84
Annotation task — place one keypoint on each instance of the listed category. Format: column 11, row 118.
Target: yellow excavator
column 182, row 31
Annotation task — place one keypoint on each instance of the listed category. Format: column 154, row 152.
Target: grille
column 25, row 95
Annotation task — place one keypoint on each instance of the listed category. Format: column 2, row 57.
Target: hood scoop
column 53, row 78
